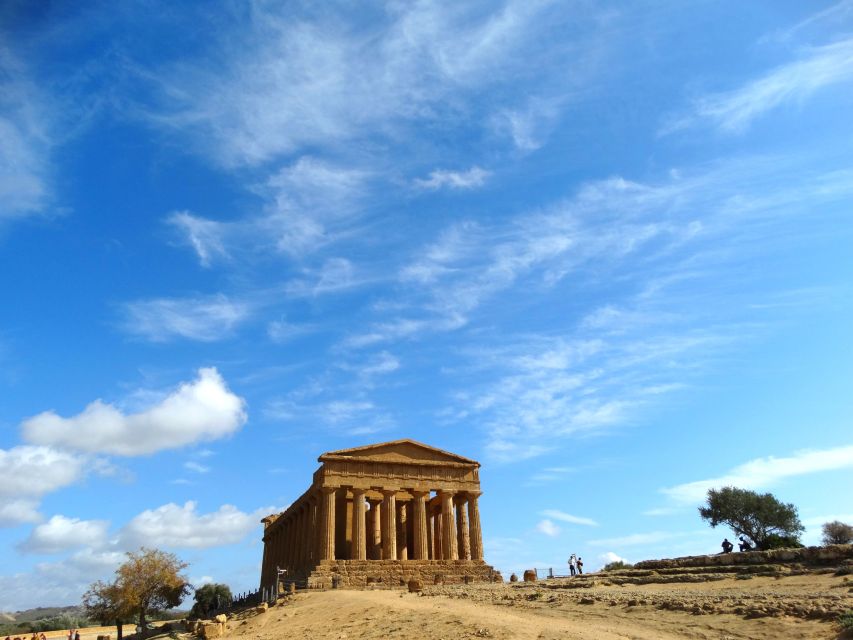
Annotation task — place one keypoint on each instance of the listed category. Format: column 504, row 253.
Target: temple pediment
column 398, row 451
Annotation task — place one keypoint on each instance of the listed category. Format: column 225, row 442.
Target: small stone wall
column 814, row 556
column 361, row 574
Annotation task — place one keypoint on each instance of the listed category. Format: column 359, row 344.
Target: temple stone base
column 362, row 574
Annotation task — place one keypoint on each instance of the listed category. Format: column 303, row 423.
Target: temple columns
column 462, row 533
column 448, row 527
column 359, row 526
column 389, row 524
column 437, row 540
column 402, row 534
column 374, row 530
column 474, row 526
column 327, row 524
column 420, row 549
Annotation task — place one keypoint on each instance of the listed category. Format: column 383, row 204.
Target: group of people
column 743, row 545
column 35, row 636
column 575, row 565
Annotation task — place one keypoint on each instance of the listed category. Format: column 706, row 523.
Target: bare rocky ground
column 761, row 608
column 748, row 597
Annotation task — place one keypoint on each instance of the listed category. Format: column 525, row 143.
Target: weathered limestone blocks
column 831, row 554
column 530, row 575
column 355, row 574
column 212, row 630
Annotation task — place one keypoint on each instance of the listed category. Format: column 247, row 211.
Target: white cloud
column 378, row 364
column 295, row 83
column 548, row 528
column 14, row 512
column 820, row 67
column 313, row 202
column 203, row 409
column 763, row 473
column 192, row 465
column 281, row 331
column 29, row 473
column 27, row 142
column 609, row 556
column 334, row 276
column 562, row 516
column 529, row 127
column 204, row 318
column 470, row 179
column 61, row 534
column 174, row 526
column 201, row 581
column 207, row 237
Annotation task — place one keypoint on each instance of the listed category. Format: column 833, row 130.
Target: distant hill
column 39, row 613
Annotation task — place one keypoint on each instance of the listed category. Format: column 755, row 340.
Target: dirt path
column 346, row 615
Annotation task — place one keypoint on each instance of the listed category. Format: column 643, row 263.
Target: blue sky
column 603, row 248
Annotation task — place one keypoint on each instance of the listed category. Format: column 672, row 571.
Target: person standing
column 580, row 566
column 572, row 565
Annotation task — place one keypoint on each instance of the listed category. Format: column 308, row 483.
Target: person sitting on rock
column 727, row 546
column 744, row 544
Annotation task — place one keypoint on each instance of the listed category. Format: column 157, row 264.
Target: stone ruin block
column 530, row 575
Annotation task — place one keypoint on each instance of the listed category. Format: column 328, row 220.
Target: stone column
column 402, row 538
column 462, row 535
column 327, row 524
column 288, row 542
column 359, row 526
column 420, row 550
column 389, row 524
column 283, row 559
column 430, row 539
column 474, row 526
column 448, row 527
column 374, row 530
column 436, row 534
column 294, row 540
column 302, row 539
column 311, row 541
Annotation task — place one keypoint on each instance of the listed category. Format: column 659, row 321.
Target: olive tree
column 837, row 532
column 210, row 597
column 762, row 518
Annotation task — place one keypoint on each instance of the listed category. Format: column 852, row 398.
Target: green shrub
column 846, row 621
column 618, row 564
column 776, row 541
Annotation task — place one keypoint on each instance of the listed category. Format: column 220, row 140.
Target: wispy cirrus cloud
column 206, row 237
column 25, row 129
column 763, row 473
column 733, row 111
column 562, row 516
column 201, row 318
column 296, row 83
column 440, row 178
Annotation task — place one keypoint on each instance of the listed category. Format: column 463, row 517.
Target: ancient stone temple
column 381, row 514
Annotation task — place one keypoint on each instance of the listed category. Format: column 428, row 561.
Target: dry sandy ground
column 505, row 611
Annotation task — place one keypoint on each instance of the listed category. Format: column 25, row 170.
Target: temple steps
column 361, row 574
